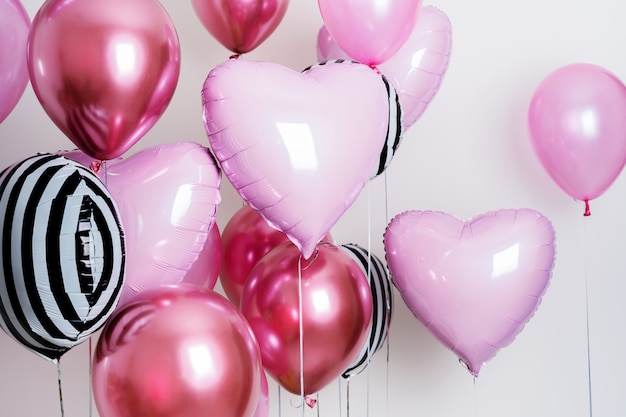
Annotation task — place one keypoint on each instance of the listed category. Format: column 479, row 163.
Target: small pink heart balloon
column 417, row 69
column 474, row 284
column 284, row 139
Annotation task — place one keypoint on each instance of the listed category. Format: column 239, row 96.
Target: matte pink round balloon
column 103, row 70
column 417, row 69
column 14, row 27
column 240, row 25
column 336, row 314
column 370, row 31
column 474, row 284
column 578, row 129
column 177, row 351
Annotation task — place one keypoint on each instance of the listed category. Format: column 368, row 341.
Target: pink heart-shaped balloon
column 474, row 284
column 168, row 197
column 297, row 147
column 417, row 69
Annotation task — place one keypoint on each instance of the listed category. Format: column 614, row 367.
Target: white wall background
column 468, row 154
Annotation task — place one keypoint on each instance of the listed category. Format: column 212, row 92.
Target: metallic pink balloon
column 370, row 31
column 240, row 25
column 284, row 139
column 177, row 351
column 417, row 69
column 103, row 70
column 205, row 270
column 263, row 406
column 14, row 27
column 474, row 284
column 336, row 314
column 578, row 129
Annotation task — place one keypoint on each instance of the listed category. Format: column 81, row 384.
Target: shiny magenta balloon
column 177, row 351
column 336, row 314
column 103, row 70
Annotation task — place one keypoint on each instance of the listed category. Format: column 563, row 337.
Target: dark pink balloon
column 205, row 270
column 177, row 351
column 336, row 314
column 103, row 70
column 240, row 25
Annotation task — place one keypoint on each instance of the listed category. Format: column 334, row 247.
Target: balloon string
column 90, row 376
column 388, row 301
column 279, row 403
column 60, row 387
column 475, row 398
column 317, row 401
column 587, row 209
column 300, row 328
column 369, row 280
column 348, row 397
column 587, row 320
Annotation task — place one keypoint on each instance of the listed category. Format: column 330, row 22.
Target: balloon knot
column 95, row 166
column 310, row 401
column 587, row 210
column 375, row 68
column 234, row 56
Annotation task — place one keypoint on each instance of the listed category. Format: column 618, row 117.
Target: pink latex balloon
column 578, row 129
column 263, row 406
column 168, row 196
column 284, row 138
column 474, row 284
column 103, row 70
column 417, row 69
column 370, row 31
column 336, row 314
column 14, row 27
column 246, row 239
column 177, row 351
column 240, row 25
column 205, row 270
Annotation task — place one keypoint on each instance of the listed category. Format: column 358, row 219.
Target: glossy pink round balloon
column 205, row 270
column 263, row 406
column 177, row 351
column 240, row 25
column 246, row 239
column 103, row 70
column 14, row 27
column 474, row 284
column 284, row 139
column 578, row 129
column 336, row 314
column 417, row 69
column 168, row 197
column 370, row 31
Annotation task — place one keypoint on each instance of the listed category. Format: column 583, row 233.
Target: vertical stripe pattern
column 382, row 298
column 62, row 254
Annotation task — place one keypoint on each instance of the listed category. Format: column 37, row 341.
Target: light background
column 468, row 154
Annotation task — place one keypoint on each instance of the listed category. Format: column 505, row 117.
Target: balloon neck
column 310, row 401
column 375, row 68
column 95, row 166
column 587, row 209
column 234, row 56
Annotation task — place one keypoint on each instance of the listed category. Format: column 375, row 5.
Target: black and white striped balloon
column 62, row 254
column 382, row 297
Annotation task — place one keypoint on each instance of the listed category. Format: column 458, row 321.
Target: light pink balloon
column 240, row 25
column 417, row 69
column 578, row 129
column 370, row 31
column 14, row 27
column 177, row 351
column 168, row 196
column 205, row 270
column 285, row 139
column 474, row 284
column 103, row 70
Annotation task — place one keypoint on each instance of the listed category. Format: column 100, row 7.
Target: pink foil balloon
column 205, row 270
column 370, row 31
column 474, row 284
column 14, row 27
column 240, row 25
column 578, row 129
column 336, row 314
column 284, row 138
column 177, row 351
column 168, row 196
column 417, row 69
column 103, row 70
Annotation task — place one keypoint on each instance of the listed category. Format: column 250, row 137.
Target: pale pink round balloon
column 473, row 283
column 370, row 31
column 578, row 128
column 14, row 27
column 104, row 71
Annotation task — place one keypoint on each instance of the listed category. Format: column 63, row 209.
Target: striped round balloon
column 61, row 254
column 382, row 298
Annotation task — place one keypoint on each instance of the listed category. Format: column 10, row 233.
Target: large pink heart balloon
column 417, row 69
column 474, row 284
column 168, row 197
column 14, row 27
column 240, row 25
column 370, row 31
column 578, row 129
column 103, row 70
column 297, row 147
